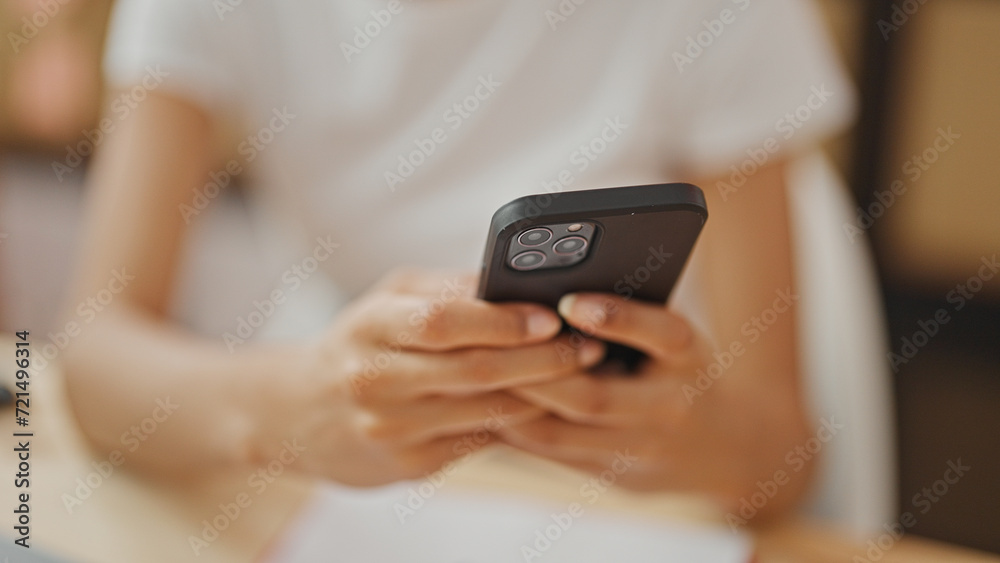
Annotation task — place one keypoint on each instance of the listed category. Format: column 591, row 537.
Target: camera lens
column 569, row 245
column 535, row 237
column 528, row 260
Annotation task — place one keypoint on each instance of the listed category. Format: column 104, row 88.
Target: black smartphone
column 631, row 241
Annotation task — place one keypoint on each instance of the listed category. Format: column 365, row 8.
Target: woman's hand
column 655, row 429
column 408, row 371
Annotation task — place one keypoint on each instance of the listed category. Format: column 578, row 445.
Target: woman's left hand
column 655, row 429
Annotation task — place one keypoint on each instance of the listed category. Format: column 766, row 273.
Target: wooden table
column 128, row 518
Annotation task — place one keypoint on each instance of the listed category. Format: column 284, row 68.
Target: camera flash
column 574, row 227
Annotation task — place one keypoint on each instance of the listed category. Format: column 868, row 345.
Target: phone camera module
column 528, row 260
column 535, row 237
column 551, row 246
column 570, row 245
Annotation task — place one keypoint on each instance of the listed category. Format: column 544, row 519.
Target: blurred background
column 929, row 79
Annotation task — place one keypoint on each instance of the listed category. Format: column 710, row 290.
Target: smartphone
column 630, row 241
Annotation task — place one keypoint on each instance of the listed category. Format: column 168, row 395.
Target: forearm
column 759, row 396
column 169, row 401
column 766, row 429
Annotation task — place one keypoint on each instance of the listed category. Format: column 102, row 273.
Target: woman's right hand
column 406, row 375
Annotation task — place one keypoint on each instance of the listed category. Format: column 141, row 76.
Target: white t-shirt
column 404, row 124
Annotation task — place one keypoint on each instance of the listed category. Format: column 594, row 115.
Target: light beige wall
column 949, row 76
column 950, row 217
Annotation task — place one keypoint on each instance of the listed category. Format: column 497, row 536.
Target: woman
column 382, row 136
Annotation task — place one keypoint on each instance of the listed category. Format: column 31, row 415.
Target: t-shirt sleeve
column 173, row 46
column 768, row 80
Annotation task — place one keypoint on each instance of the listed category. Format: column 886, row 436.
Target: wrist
column 272, row 393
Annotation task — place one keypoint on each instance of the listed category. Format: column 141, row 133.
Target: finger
column 422, row 459
column 476, row 370
column 570, row 443
column 600, row 401
column 435, row 417
column 614, row 402
column 648, row 327
column 439, row 324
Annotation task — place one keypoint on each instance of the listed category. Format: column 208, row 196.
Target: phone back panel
column 643, row 237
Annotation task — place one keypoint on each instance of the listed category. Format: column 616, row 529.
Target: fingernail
column 591, row 352
column 542, row 323
column 581, row 310
column 566, row 304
